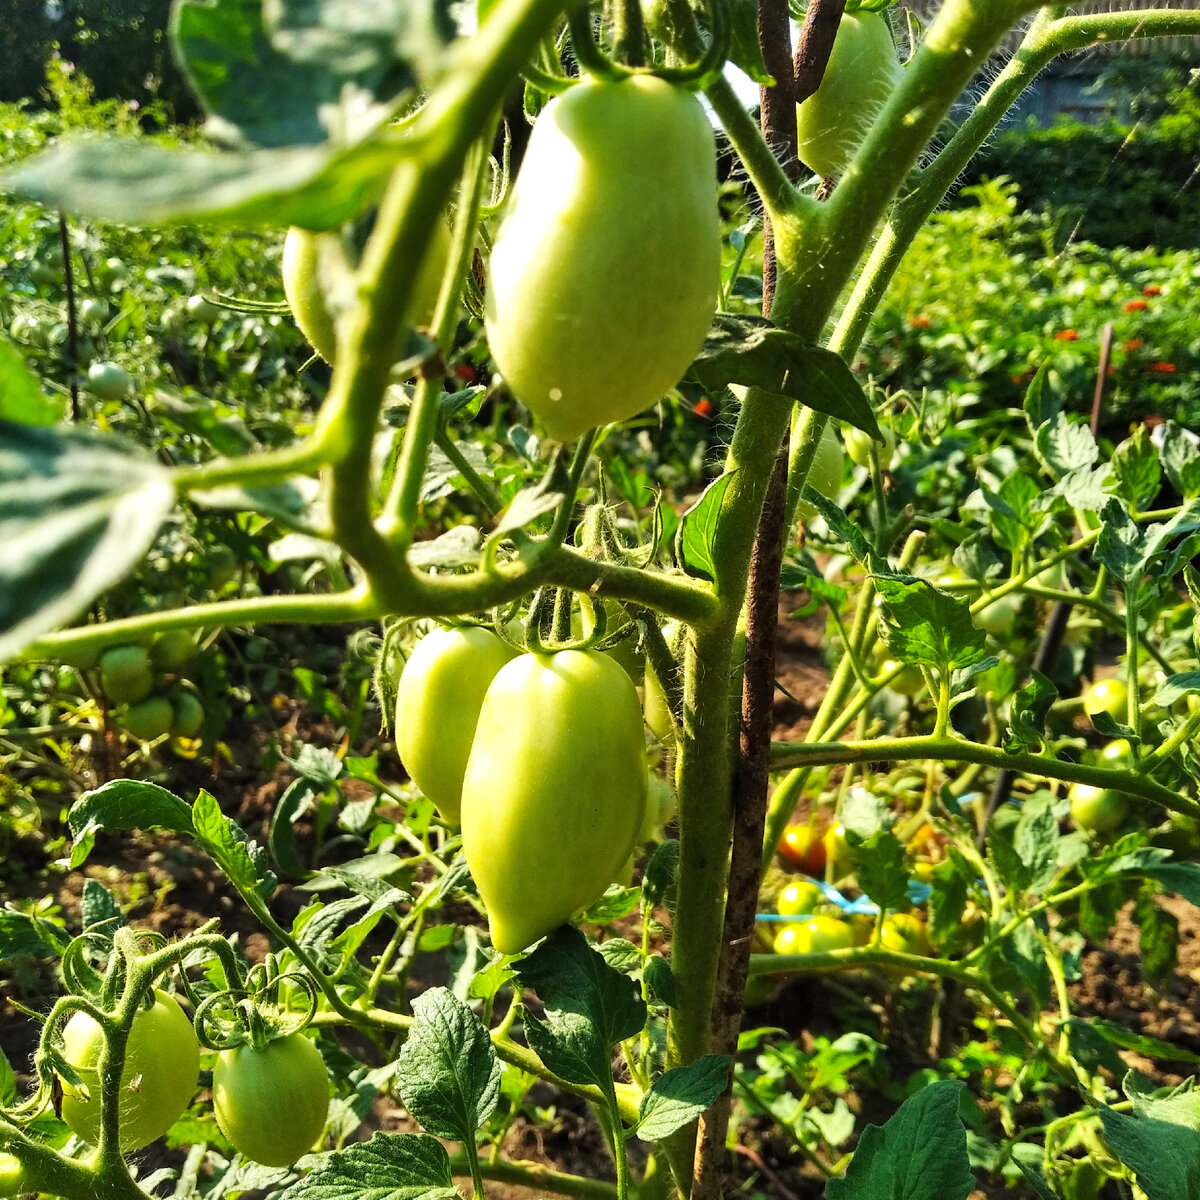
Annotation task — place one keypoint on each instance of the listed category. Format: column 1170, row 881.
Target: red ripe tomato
column 801, row 845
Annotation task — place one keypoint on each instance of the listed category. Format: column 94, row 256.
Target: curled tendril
column 234, row 1018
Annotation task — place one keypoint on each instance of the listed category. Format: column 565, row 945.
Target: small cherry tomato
column 801, row 845
column 905, row 933
column 1107, row 695
column 814, row 936
column 799, row 899
column 1095, row 809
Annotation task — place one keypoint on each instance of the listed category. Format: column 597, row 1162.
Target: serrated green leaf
column 681, row 1095
column 920, row 1154
column 1175, row 687
column 23, row 935
column 881, row 872
column 77, row 511
column 658, row 881
column 1030, row 708
column 1137, row 469
column 1165, row 1157
column 391, row 1166
column 447, row 1074
column 698, row 529
column 1036, row 841
column 1065, row 444
column 123, row 804
column 588, row 1007
column 228, row 845
column 929, row 626
column 1181, row 458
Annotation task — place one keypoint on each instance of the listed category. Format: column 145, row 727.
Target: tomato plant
column 554, row 790
column 158, row 1076
column 618, row 185
column 438, row 697
column 272, row 1102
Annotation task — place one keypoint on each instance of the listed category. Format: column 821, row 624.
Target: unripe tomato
column 172, row 649
column 656, row 710
column 12, row 1176
column 605, row 269
column 272, row 1103
column 438, row 697
column 554, row 791
column 997, row 617
column 125, row 673
column 148, row 719
column 838, row 852
column 905, row 933
column 158, row 1078
column 799, row 899
column 94, row 311
column 1107, row 695
column 858, row 446
column 187, row 715
column 201, row 308
column 107, row 381
column 814, row 936
column 1098, row 810
column 862, row 73
column 624, row 652
column 908, row 680
column 803, row 847
column 1117, row 753
column 825, row 474
column 306, row 297
column 27, row 328
column 661, row 805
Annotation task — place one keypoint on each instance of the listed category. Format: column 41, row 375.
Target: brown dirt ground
column 168, row 888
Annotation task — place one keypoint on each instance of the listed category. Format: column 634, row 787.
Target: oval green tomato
column 187, row 715
column 997, row 617
column 172, row 649
column 272, row 1103
column 799, row 899
column 862, row 73
column 554, row 791
column 306, row 295
column 814, row 936
column 825, row 474
column 107, row 381
column 158, row 1077
column 13, row 1180
column 605, row 269
column 125, row 673
column 858, row 446
column 438, row 697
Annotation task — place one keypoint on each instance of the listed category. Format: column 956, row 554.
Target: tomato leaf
column 881, row 871
column 447, row 1073
column 928, row 626
column 1030, row 707
column 123, row 804
column 1065, row 445
column 1137, row 469
column 1181, row 459
column 77, row 511
column 24, row 935
column 751, row 352
column 681, row 1095
column 228, row 845
column 1163, row 1154
column 698, row 529
column 145, row 183
column 1036, row 841
column 658, row 882
column 920, row 1154
column 21, row 400
column 588, row 1007
column 400, row 1166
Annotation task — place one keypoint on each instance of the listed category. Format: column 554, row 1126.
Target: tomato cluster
column 540, row 757
column 143, row 680
column 271, row 1102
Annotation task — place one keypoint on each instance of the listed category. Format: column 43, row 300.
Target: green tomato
column 187, row 715
column 908, row 680
column 158, row 1077
column 554, row 791
column 661, row 806
column 814, row 936
column 302, row 285
column 202, row 309
column 172, row 649
column 799, row 899
column 94, row 311
column 1117, row 753
column 272, row 1103
column 624, row 652
column 148, row 719
column 1107, row 695
column 1098, row 810
column 656, row 711
column 26, row 328
column 438, row 698
column 858, row 447
column 839, row 854
column 107, row 381
column 825, row 474
column 997, row 618
column 605, row 270
column 125, row 673
column 862, row 73
column 13, row 1180
column 905, row 933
